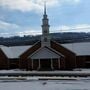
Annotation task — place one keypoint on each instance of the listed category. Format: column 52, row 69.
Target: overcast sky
column 24, row 17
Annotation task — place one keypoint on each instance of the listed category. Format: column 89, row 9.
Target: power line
column 40, row 32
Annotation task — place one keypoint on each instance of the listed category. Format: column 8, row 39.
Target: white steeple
column 45, row 39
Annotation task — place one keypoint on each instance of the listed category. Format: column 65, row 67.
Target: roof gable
column 44, row 53
column 31, row 50
column 61, row 49
column 2, row 54
column 7, row 51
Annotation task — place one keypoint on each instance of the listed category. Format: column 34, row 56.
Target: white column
column 32, row 63
column 51, row 64
column 59, row 63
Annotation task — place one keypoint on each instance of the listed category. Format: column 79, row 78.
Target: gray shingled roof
column 15, row 51
column 81, row 49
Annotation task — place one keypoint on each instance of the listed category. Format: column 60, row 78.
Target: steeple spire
column 45, row 11
column 45, row 39
column 45, row 8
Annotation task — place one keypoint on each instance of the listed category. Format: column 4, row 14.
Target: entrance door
column 13, row 66
column 45, row 64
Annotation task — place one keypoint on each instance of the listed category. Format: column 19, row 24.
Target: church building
column 45, row 54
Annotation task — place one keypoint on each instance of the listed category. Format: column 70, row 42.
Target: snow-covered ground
column 20, row 71
column 34, row 83
column 47, row 85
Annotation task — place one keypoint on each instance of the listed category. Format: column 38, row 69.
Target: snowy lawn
column 46, row 85
column 32, row 83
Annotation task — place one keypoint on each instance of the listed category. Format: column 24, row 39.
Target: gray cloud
column 29, row 5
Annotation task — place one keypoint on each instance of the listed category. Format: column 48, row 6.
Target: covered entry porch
column 46, row 59
column 46, row 64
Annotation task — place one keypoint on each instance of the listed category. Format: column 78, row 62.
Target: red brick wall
column 23, row 62
column 55, row 64
column 82, row 60
column 62, row 63
column 70, row 57
column 3, row 60
column 29, row 64
column 13, row 63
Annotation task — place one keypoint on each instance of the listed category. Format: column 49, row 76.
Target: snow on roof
column 14, row 51
column 18, row 50
column 81, row 49
column 7, row 51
